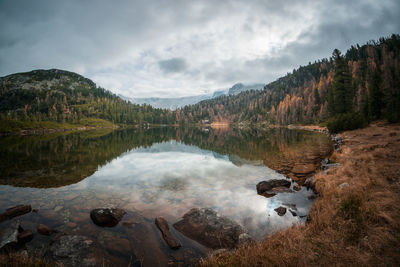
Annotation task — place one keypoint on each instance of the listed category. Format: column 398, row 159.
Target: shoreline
column 354, row 219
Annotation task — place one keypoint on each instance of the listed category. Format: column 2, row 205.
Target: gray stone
column 107, row 217
column 75, row 250
column 9, row 236
column 210, row 229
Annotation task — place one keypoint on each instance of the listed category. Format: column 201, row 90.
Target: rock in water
column 9, row 236
column 162, row 224
column 281, row 211
column 293, row 213
column 106, row 217
column 44, row 230
column 14, row 212
column 25, row 236
column 76, row 250
column 210, row 229
column 265, row 188
column 310, row 183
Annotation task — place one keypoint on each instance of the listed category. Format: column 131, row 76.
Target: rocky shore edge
column 354, row 220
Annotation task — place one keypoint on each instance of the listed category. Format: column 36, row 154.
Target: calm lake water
column 150, row 173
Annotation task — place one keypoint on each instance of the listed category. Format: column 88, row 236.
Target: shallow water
column 150, row 173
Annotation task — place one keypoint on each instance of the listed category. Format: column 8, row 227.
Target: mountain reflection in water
column 155, row 172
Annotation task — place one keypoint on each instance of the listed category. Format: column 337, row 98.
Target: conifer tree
column 341, row 85
column 375, row 97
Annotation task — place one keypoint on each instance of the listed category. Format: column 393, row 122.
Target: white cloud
column 218, row 43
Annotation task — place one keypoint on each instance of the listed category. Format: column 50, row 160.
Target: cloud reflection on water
column 169, row 178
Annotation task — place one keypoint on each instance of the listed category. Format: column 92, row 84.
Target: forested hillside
column 61, row 96
column 365, row 81
column 362, row 83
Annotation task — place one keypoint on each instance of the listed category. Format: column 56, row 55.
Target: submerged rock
column 25, row 236
column 171, row 241
column 281, row 211
column 14, row 212
column 44, row 230
column 107, row 217
column 210, row 229
column 76, row 250
column 114, row 242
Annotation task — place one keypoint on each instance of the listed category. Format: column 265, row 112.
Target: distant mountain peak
column 179, row 102
column 240, row 87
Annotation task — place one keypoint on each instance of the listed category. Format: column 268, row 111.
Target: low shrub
column 345, row 122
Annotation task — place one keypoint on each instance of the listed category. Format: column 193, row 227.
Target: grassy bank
column 354, row 221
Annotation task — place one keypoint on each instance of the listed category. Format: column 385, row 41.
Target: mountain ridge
column 174, row 103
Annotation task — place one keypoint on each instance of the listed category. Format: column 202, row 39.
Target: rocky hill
column 66, row 97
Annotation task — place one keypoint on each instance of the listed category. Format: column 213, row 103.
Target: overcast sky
column 181, row 48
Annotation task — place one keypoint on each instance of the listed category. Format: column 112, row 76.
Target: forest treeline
column 62, row 96
column 347, row 90
column 363, row 83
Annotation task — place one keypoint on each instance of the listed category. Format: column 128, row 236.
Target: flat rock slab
column 107, row 217
column 171, row 241
column 76, row 250
column 14, row 212
column 210, row 229
column 303, row 169
column 9, row 236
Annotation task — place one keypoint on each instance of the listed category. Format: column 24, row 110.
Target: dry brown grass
column 354, row 225
column 18, row 259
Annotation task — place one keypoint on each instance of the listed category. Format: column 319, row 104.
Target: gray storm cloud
column 180, row 48
column 173, row 65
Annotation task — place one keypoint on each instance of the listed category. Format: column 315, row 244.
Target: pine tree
column 375, row 97
column 342, row 85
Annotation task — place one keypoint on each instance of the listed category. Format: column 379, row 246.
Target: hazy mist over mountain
column 178, row 102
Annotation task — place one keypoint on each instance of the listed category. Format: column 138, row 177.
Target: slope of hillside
column 365, row 80
column 48, row 98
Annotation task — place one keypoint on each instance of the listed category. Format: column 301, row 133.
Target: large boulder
column 271, row 187
column 14, row 212
column 76, row 250
column 107, row 217
column 210, row 229
column 303, row 169
column 171, row 241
